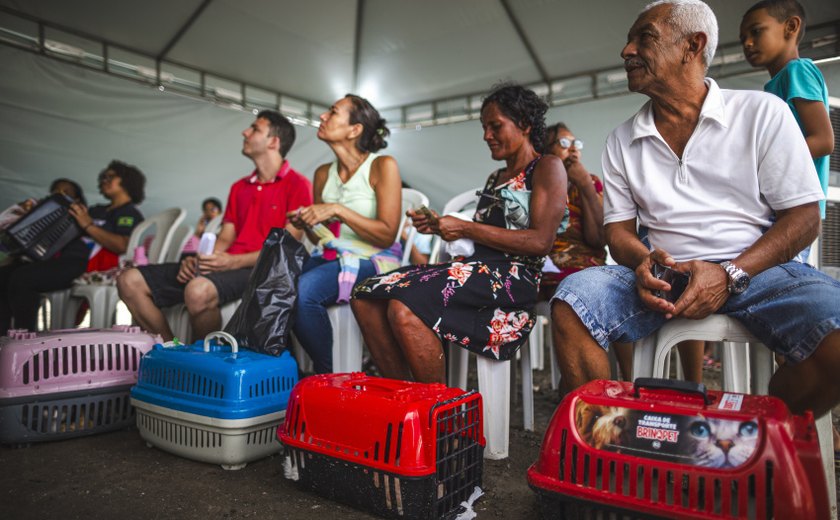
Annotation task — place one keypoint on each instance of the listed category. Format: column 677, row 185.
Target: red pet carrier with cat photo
column 394, row 448
column 671, row 449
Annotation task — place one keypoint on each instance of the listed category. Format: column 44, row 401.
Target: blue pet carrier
column 211, row 402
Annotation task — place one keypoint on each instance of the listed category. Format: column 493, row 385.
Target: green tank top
column 356, row 194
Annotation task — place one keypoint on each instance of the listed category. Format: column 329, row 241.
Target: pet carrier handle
column 220, row 334
column 688, row 387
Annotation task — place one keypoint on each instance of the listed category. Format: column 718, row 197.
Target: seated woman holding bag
column 485, row 302
column 355, row 220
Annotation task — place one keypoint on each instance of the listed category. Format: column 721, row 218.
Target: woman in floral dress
column 484, row 302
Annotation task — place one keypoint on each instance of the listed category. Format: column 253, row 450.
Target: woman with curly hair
column 355, row 220
column 483, row 302
column 107, row 227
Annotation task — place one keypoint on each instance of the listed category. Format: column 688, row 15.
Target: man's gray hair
column 689, row 17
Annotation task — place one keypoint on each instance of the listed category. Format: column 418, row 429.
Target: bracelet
column 86, row 227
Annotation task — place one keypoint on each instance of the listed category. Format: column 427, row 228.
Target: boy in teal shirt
column 770, row 33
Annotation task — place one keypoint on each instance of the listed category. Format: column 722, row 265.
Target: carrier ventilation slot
column 749, row 497
column 271, row 385
column 179, row 434
column 56, row 362
column 178, row 380
column 261, row 437
column 76, row 417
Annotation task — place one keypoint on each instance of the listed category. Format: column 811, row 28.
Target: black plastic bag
column 264, row 319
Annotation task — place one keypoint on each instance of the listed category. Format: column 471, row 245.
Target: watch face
column 740, row 284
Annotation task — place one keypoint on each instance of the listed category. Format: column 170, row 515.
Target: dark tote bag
column 264, row 319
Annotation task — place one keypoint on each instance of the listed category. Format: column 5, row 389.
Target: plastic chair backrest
column 180, row 238
column 411, row 199
column 165, row 223
column 459, row 202
column 215, row 225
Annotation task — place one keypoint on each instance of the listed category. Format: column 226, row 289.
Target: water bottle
column 207, row 243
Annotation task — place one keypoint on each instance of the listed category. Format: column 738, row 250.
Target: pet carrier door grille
column 86, row 414
column 76, row 359
column 179, row 380
column 749, row 497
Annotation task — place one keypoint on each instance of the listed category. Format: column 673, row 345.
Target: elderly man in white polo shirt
column 723, row 182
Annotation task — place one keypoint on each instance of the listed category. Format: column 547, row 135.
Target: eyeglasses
column 107, row 176
column 565, row 142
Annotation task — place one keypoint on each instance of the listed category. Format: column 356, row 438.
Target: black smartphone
column 677, row 280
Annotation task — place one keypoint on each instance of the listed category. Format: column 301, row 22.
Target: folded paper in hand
column 462, row 246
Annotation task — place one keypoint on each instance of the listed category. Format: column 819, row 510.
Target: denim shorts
column 167, row 290
column 790, row 307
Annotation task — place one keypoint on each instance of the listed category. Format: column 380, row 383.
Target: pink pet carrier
column 68, row 383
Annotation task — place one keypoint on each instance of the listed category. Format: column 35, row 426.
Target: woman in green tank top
column 358, row 200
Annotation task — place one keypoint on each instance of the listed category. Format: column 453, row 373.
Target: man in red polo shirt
column 256, row 204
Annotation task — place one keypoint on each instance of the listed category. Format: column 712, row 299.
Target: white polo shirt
column 745, row 159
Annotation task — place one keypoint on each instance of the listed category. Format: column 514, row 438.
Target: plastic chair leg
column 762, row 366
column 644, row 352
column 457, row 366
column 735, row 367
column 303, row 359
column 537, row 344
column 494, row 385
column 824, row 433
column 527, row 388
column 555, row 368
column 347, row 339
column 100, row 309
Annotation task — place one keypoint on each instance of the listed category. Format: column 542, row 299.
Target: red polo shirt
column 254, row 207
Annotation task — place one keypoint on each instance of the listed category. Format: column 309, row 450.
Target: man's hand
column 646, row 283
column 706, row 291
column 218, row 261
column 188, row 269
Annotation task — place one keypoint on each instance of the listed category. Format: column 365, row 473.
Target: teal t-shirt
column 802, row 79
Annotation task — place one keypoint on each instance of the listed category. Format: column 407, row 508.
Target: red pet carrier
column 671, row 449
column 394, row 448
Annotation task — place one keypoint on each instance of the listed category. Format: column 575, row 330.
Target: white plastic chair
column 180, row 237
column 348, row 344
column 62, row 310
column 743, row 356
column 103, row 298
column 215, row 225
column 179, row 319
column 411, row 199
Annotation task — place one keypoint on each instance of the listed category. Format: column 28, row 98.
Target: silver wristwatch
column 738, row 279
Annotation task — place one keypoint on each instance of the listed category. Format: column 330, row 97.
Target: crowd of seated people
column 693, row 182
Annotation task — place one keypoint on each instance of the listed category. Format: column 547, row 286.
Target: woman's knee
column 200, row 295
column 400, row 316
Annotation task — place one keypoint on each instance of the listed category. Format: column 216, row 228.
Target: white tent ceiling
column 395, row 52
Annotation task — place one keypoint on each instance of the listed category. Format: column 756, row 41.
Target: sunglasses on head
column 565, row 142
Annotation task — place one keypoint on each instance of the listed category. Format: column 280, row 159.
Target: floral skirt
column 484, row 306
